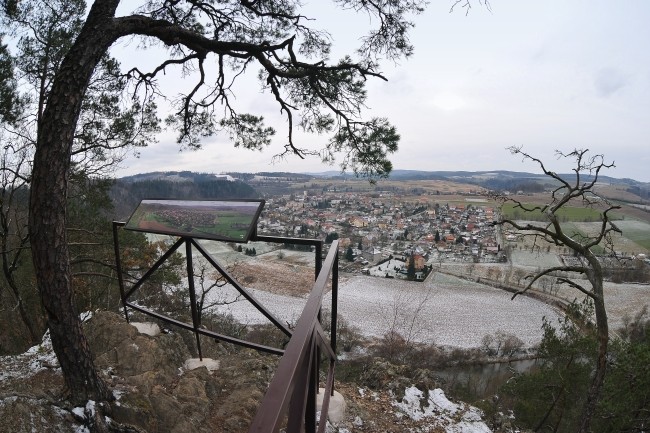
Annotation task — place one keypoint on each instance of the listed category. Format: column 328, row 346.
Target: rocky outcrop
column 153, row 391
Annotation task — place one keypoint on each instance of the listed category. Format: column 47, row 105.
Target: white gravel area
column 286, row 309
column 621, row 300
column 444, row 310
column 536, row 259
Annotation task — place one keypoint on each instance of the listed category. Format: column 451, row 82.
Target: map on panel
column 223, row 220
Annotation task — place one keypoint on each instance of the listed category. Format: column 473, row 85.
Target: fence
column 292, row 392
column 291, row 396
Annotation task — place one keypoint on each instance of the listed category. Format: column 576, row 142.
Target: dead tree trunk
column 595, row 276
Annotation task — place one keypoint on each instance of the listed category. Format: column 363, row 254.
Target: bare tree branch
column 577, row 190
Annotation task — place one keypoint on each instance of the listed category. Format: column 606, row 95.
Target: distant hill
column 399, row 174
column 503, row 179
column 127, row 192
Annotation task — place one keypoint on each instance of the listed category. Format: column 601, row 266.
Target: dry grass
column 362, row 185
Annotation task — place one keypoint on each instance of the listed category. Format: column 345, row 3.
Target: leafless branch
column 467, row 5
column 577, row 286
column 538, row 275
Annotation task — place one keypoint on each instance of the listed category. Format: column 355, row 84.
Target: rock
column 119, row 345
column 105, row 330
column 336, row 409
column 136, row 409
column 167, row 408
column 20, row 414
column 194, row 363
column 149, row 328
column 192, row 388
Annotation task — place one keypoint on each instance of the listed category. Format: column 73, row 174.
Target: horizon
column 542, row 75
column 335, row 173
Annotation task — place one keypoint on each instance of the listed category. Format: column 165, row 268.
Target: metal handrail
column 194, row 326
column 292, row 391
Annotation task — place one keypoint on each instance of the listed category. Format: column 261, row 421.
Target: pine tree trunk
column 47, row 210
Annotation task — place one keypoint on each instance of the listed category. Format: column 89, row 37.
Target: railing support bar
column 155, row 266
column 329, row 385
column 286, row 379
column 118, row 266
column 245, row 293
column 196, row 320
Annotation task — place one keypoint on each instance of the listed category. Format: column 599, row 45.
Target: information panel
column 222, row 220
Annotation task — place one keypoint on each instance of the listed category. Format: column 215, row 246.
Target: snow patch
column 449, row 307
column 445, row 413
column 194, row 363
column 35, row 359
column 148, row 328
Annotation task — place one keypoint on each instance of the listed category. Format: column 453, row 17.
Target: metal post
column 319, row 258
column 310, row 407
column 118, row 266
column 335, row 297
column 190, row 280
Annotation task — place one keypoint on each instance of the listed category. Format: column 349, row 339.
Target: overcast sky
column 545, row 75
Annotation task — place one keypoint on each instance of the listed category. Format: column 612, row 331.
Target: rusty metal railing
column 190, row 245
column 291, row 396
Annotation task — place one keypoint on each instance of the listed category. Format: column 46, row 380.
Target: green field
column 575, row 232
column 640, row 238
column 225, row 225
column 636, row 231
column 566, row 214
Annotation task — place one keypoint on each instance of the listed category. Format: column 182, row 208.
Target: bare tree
column 14, row 240
column 210, row 281
column 575, row 190
column 404, row 319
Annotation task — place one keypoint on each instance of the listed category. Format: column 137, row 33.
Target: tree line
column 126, row 195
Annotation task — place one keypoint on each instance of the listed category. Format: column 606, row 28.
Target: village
column 387, row 234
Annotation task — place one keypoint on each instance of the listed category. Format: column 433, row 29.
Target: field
column 423, row 187
column 582, row 222
column 634, row 240
column 444, row 310
column 565, row 214
column 636, row 231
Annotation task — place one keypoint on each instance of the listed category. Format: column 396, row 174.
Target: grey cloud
column 609, row 81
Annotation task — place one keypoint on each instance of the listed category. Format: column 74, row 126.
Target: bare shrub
column 393, row 347
column 501, row 344
column 636, row 329
column 348, row 336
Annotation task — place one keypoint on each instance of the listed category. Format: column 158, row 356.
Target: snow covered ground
column 534, row 259
column 444, row 310
column 434, row 405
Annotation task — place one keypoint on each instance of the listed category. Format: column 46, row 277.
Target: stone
column 148, row 328
column 209, row 363
column 336, row 409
